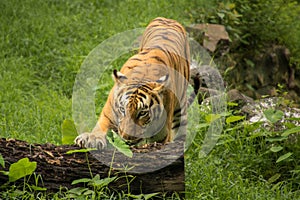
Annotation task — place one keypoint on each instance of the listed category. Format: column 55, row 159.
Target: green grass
column 235, row 171
column 42, row 46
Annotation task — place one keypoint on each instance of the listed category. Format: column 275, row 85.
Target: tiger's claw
column 91, row 140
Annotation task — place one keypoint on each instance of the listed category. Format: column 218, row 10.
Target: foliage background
column 43, row 43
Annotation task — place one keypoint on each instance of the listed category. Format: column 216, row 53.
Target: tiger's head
column 139, row 108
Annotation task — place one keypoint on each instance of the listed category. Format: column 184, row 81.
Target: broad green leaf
column 257, row 134
column 231, row 6
column 274, row 178
column 276, row 139
column 293, row 118
column 276, row 186
column 96, row 178
column 295, row 171
column 36, row 188
column 225, row 114
column 232, row 119
column 249, row 62
column 221, row 15
column 291, row 131
column 88, row 192
column 276, row 149
column 82, row 180
column 119, row 144
column 211, row 117
column 69, row 132
column 232, row 104
column 78, row 191
column 2, row 162
column 273, row 115
column 202, row 125
column 143, row 196
column 283, row 157
column 149, row 196
column 103, row 182
column 21, row 169
column 80, row 150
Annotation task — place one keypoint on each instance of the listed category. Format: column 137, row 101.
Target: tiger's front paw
column 91, row 140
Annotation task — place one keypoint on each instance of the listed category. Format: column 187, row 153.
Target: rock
column 235, row 95
column 210, row 81
column 272, row 67
column 213, row 37
column 267, row 73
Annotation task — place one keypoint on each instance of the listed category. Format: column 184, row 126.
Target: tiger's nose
column 132, row 138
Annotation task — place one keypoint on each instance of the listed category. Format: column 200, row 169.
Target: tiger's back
column 164, row 42
column 148, row 101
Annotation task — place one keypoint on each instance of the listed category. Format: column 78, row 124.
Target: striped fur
column 148, row 101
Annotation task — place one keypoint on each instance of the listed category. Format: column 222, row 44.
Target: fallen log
column 158, row 169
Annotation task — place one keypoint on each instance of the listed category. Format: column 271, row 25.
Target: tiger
column 148, row 102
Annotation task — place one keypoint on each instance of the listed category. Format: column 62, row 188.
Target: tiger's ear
column 163, row 81
column 118, row 76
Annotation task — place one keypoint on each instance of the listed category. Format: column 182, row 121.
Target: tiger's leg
column 179, row 123
column 97, row 138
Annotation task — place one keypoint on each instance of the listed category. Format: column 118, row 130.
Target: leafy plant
column 253, row 25
column 69, row 132
column 96, row 183
column 279, row 148
column 119, row 143
column 143, row 196
column 80, row 150
column 234, row 118
column 2, row 162
column 20, row 169
column 273, row 115
column 262, row 150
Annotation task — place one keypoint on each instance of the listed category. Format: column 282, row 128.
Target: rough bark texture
column 158, row 169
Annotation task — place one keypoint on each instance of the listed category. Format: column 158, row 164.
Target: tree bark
column 158, row 169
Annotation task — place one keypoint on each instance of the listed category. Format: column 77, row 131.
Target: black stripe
column 156, row 99
column 174, row 47
column 159, row 20
column 136, row 59
column 167, row 38
column 178, row 111
column 142, row 95
column 145, row 88
column 159, row 59
column 129, row 92
column 154, row 30
column 110, row 120
column 178, row 27
column 157, row 47
column 144, row 52
column 178, row 124
column 151, row 103
column 154, row 25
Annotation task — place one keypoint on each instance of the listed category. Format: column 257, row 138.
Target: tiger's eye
column 122, row 110
column 142, row 113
